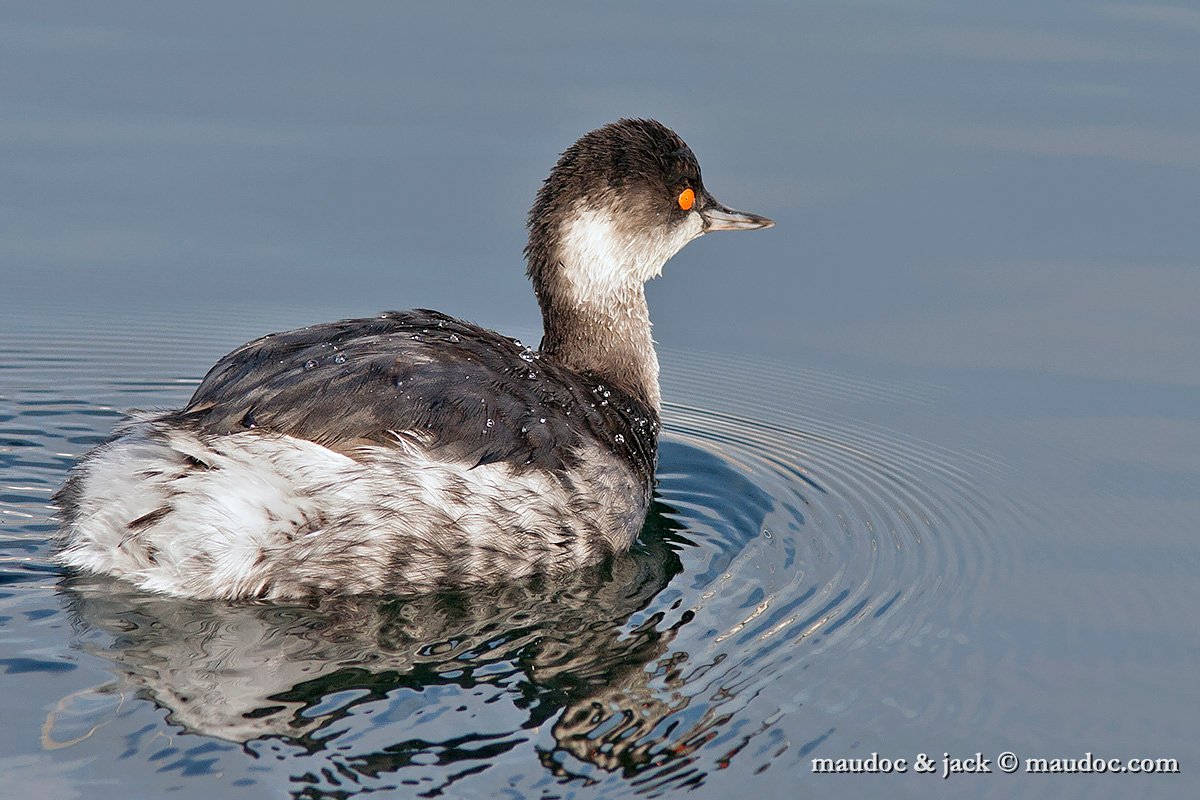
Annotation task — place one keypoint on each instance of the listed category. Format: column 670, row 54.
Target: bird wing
column 462, row 392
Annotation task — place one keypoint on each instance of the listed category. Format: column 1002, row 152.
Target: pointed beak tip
column 719, row 217
column 724, row 219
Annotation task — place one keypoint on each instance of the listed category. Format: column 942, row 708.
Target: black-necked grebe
column 413, row 451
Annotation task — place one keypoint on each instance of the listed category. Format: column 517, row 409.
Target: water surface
column 928, row 477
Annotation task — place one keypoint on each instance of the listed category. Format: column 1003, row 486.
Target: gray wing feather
column 468, row 394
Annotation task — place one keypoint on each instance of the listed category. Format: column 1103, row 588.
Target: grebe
column 412, row 451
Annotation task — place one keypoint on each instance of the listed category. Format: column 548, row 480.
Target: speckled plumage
column 474, row 396
column 413, row 451
column 274, row 516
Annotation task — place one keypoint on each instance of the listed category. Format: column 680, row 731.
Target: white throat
column 603, row 260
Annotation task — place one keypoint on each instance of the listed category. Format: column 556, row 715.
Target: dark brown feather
column 461, row 392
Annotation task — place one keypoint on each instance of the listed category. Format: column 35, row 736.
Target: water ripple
column 780, row 539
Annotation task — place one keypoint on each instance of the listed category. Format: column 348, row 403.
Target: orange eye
column 687, row 199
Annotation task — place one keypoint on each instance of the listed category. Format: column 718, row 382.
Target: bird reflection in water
column 587, row 655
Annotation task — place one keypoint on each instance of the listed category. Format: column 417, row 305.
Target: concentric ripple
column 786, row 541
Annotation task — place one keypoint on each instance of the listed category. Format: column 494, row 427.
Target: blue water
column 929, row 477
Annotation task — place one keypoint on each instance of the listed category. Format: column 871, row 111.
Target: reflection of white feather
column 240, row 671
column 262, row 515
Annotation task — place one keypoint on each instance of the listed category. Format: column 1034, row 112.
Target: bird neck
column 608, row 337
column 589, row 266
